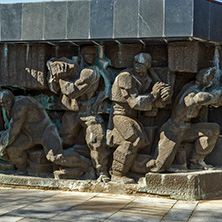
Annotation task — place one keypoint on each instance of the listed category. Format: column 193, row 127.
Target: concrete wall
column 110, row 19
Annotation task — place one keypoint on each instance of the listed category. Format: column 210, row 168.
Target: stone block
column 178, row 18
column 32, row 22
column 215, row 22
column 55, row 20
column 11, row 20
column 38, row 156
column 201, row 18
column 122, row 56
column 215, row 157
column 78, row 19
column 150, row 18
column 30, row 71
column 126, row 19
column 37, row 169
column 158, row 53
column 197, row 185
column 101, row 19
column 186, row 56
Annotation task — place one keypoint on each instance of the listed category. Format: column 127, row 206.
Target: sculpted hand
column 156, row 89
column 166, row 93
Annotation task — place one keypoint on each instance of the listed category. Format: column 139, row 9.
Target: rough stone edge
column 68, row 185
column 191, row 187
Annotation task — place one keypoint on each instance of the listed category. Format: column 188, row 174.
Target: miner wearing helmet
column 133, row 90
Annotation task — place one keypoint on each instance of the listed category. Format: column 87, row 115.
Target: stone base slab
column 198, row 185
column 65, row 184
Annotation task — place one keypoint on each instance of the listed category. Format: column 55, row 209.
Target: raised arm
column 76, row 88
column 202, row 98
column 131, row 94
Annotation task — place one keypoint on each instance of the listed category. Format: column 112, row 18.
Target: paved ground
column 39, row 205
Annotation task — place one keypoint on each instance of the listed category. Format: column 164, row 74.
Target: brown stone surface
column 30, row 125
column 38, row 156
column 75, row 185
column 23, row 65
column 6, row 166
column 39, row 169
column 215, row 157
column 186, row 56
column 135, row 90
column 121, row 56
column 66, row 173
column 180, row 128
column 197, row 185
column 83, row 89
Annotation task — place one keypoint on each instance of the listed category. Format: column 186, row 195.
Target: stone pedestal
column 198, row 185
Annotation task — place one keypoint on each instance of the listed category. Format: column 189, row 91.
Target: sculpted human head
column 88, row 54
column 142, row 62
column 7, row 99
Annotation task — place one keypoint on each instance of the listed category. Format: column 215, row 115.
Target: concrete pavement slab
column 148, row 210
column 155, row 200
column 30, row 205
column 82, row 215
column 37, row 220
column 10, row 218
column 95, row 209
column 41, row 214
column 206, row 213
column 121, row 217
column 181, row 211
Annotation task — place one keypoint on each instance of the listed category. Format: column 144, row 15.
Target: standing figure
column 180, row 128
column 134, row 90
column 82, row 96
column 30, row 126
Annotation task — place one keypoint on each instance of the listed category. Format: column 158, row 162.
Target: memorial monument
column 121, row 98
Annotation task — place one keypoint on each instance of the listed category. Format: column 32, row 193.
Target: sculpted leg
column 170, row 138
column 95, row 139
column 52, row 144
column 70, row 128
column 204, row 143
column 17, row 152
column 134, row 138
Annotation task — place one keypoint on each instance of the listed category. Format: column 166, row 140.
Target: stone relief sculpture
column 180, row 128
column 116, row 139
column 30, row 126
column 81, row 96
column 133, row 90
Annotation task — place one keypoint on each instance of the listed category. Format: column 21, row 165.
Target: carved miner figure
column 179, row 127
column 29, row 126
column 81, row 95
column 134, row 89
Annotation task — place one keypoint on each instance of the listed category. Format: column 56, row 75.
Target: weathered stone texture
column 121, row 56
column 186, row 56
column 189, row 186
column 23, row 66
